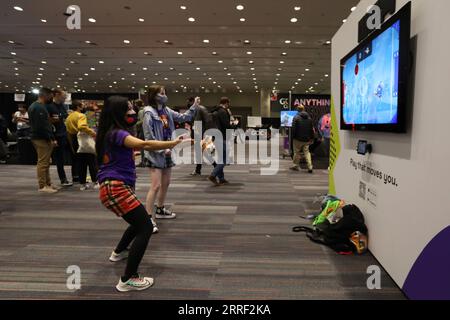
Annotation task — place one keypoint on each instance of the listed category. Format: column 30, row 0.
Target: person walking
column 58, row 115
column 117, row 176
column 77, row 123
column 42, row 138
column 159, row 125
column 222, row 119
column 203, row 118
column 303, row 136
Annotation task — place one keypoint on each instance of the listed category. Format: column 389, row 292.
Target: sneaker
column 163, row 213
column 116, row 257
column 213, row 180
column 54, row 187
column 47, row 189
column 135, row 284
column 196, row 174
column 96, row 186
column 2, row 161
column 224, row 182
column 84, row 187
column 311, row 171
column 295, row 168
column 155, row 226
column 66, row 184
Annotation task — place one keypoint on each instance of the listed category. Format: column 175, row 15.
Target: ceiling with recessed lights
column 126, row 45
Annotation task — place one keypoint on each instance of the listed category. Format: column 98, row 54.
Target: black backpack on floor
column 337, row 236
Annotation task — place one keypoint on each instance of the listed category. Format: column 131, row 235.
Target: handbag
column 86, row 144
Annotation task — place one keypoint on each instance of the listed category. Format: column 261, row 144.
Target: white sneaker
column 84, row 187
column 116, row 257
column 96, row 186
column 47, row 189
column 135, row 284
column 155, row 226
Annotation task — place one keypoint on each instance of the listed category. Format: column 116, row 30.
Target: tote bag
column 86, row 144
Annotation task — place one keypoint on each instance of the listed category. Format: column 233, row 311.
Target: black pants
column 140, row 230
column 73, row 141
column 58, row 157
column 85, row 161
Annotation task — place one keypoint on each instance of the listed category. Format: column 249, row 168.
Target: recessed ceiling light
column 214, row 53
column 247, row 41
column 166, row 41
column 49, row 42
column 92, row 69
column 145, row 68
column 126, row 41
column 294, row 20
column 287, row 41
column 251, row 62
column 160, row 61
column 17, row 8
column 282, row 62
column 130, row 62
column 298, row 8
column 353, row 9
column 242, row 19
column 13, row 53
column 344, row 21
column 249, row 52
column 240, row 7
column 44, row 20
column 180, row 53
column 92, row 20
column 328, row 42
column 284, row 54
column 183, row 7
column 252, row 69
column 191, row 19
column 206, row 41
column 220, row 61
column 141, row 19
column 11, row 42
column 72, row 62
column 326, row 76
column 86, row 74
column 198, row 68
column 101, row 62
column 44, row 62
column 306, row 69
column 88, row 42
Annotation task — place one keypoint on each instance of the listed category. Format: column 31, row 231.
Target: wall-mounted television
column 287, row 117
column 374, row 78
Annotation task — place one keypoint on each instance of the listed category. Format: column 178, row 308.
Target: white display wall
column 408, row 216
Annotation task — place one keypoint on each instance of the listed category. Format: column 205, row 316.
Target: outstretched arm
column 151, row 145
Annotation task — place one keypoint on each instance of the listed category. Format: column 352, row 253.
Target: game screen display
column 287, row 117
column 371, row 81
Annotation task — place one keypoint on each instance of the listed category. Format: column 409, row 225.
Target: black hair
column 44, row 92
column 112, row 118
column 76, row 104
column 224, row 100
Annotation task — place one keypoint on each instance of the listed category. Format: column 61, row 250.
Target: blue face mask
column 162, row 99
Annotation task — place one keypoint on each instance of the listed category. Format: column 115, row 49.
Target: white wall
column 406, row 218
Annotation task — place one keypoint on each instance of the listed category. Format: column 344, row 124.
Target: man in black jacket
column 222, row 118
column 303, row 137
column 42, row 138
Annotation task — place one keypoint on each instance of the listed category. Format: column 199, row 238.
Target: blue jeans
column 218, row 169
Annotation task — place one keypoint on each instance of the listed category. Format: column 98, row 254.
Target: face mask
column 132, row 119
column 162, row 99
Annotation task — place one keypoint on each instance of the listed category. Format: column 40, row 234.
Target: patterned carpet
column 233, row 242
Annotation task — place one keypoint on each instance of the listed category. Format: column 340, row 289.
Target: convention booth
column 389, row 127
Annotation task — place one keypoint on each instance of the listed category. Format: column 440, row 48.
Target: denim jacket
column 153, row 130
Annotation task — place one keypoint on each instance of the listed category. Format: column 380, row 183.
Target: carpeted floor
column 233, row 242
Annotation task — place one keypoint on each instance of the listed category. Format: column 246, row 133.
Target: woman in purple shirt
column 117, row 178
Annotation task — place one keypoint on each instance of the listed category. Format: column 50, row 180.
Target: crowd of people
column 105, row 143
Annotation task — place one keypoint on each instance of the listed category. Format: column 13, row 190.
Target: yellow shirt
column 77, row 122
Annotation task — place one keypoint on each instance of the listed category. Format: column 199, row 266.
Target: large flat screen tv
column 374, row 78
column 287, row 117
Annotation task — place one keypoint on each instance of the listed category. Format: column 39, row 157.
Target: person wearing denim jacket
column 159, row 125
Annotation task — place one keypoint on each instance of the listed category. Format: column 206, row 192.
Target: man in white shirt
column 22, row 121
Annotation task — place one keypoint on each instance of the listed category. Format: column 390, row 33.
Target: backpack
column 346, row 236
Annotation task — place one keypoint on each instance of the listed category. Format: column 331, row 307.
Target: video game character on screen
column 370, row 81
